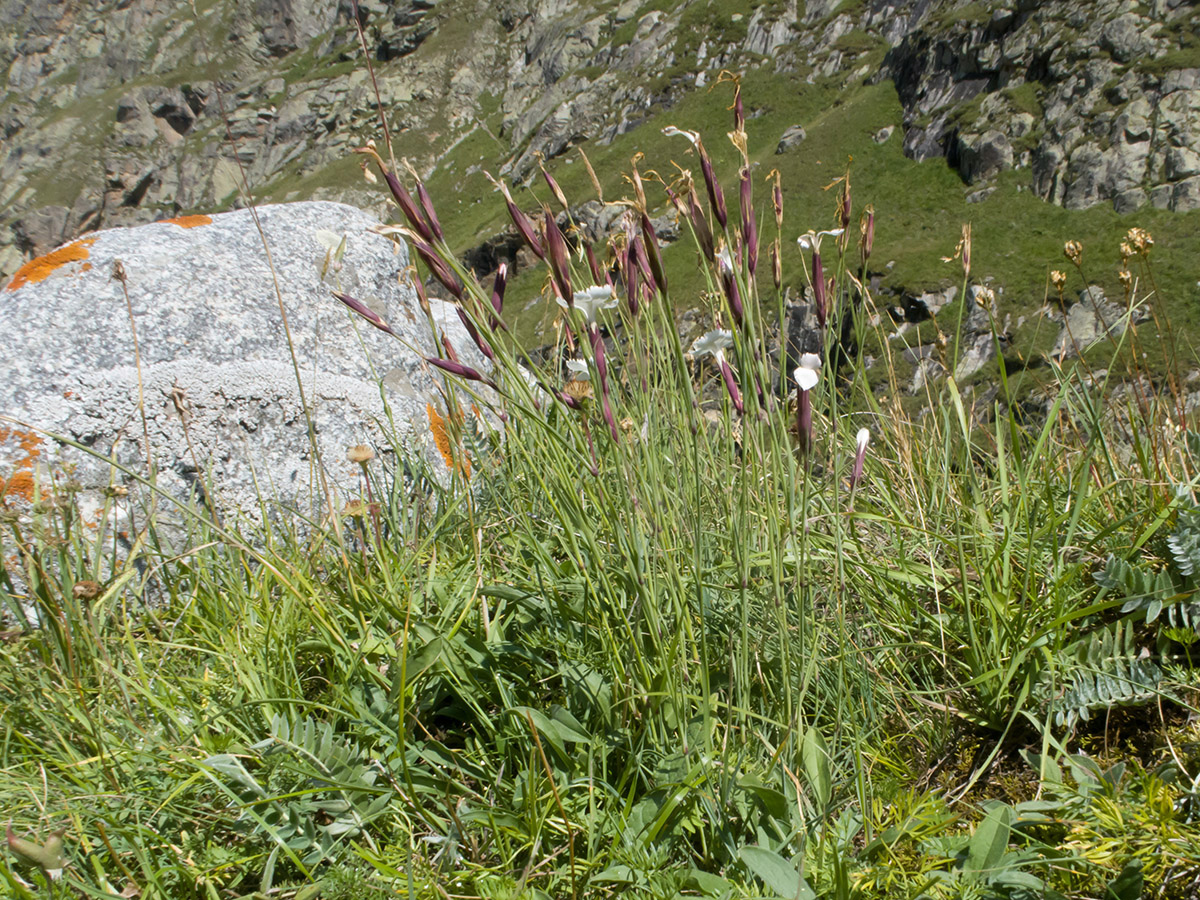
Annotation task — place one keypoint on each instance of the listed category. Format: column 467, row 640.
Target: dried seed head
column 1126, row 252
column 1140, row 239
column 1058, row 278
column 360, row 453
column 1126, row 279
column 86, row 590
column 1073, row 250
column 985, row 298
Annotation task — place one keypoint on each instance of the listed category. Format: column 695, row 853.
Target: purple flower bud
column 700, row 224
column 498, row 291
column 439, row 269
column 483, row 345
column 569, row 401
column 361, row 308
column 733, row 294
column 602, row 372
column 407, row 206
column 633, row 276
column 523, row 224
column 555, row 190
column 559, row 257
column 430, row 216
column 804, row 426
column 457, row 368
column 818, row 279
column 868, row 240
column 449, row 348
column 716, row 197
column 653, row 256
column 599, row 276
column 731, row 384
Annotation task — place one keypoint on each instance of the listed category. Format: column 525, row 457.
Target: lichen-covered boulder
column 232, row 344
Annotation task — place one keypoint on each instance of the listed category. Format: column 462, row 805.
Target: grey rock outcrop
column 226, row 402
column 1084, row 95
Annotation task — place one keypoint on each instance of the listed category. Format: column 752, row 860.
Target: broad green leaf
column 776, row 873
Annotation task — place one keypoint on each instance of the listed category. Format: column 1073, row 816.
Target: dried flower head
column 985, row 297
column 86, row 590
column 1058, row 278
column 1140, row 239
column 1073, row 250
column 360, row 453
column 1126, row 279
column 1126, row 252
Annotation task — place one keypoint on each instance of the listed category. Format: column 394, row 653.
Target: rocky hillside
column 124, row 111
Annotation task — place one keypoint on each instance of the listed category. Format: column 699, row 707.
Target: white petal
column 579, row 368
column 864, row 438
column 810, row 361
column 712, row 342
column 805, row 241
column 671, row 131
column 805, row 377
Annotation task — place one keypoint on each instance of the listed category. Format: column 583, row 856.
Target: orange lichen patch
column 29, row 446
column 86, row 267
column 39, row 269
column 189, row 221
column 20, row 485
column 441, row 438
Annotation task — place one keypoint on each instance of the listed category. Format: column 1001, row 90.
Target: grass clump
column 699, row 621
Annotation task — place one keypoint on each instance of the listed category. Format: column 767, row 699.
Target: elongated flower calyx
column 818, row 280
column 498, row 291
column 414, row 215
column 363, row 310
column 462, row 371
column 439, row 269
column 749, row 221
column 653, row 256
column 558, row 255
column 523, row 224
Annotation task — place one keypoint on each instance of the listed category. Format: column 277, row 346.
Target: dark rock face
column 1062, row 88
